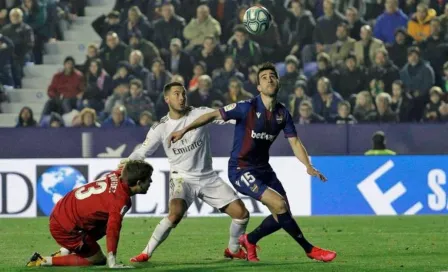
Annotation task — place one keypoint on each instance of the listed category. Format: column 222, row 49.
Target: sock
column 237, row 228
column 159, row 235
column 288, row 223
column 268, row 226
column 64, row 251
column 69, row 260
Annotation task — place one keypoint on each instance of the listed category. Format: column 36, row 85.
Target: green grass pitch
column 415, row 243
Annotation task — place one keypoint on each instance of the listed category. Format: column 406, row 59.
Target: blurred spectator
column 409, row 6
column 288, row 81
column 202, row 26
column 355, row 22
column 35, row 15
column 402, row 102
column 374, row 8
column 65, row 89
column 137, row 103
column 443, row 110
column 6, row 55
column 227, row 30
column 344, row 116
column 56, row 120
column 137, row 21
column 3, row 96
column 198, row 70
column 419, row 24
column 147, row 48
column 114, row 52
column 168, row 27
column 298, row 28
column 324, row 69
column 22, row 36
column 26, row 118
column 245, row 51
column 343, row 5
column 379, row 145
column 444, row 21
column 270, row 43
column 432, row 108
column 87, row 119
column 123, row 74
column 325, row 31
column 236, row 92
column 251, row 83
column 418, row 77
column 223, row 10
column 137, row 69
column 110, row 23
column 435, row 50
column 307, row 115
column 366, row 48
column 364, row 110
column 178, row 61
column 205, row 94
column 339, row 50
column 352, row 78
column 376, row 87
column 389, row 21
column 146, row 119
column 210, row 53
column 297, row 97
column 118, row 119
column 158, row 78
column 123, row 6
column 383, row 71
column 398, row 51
column 222, row 76
column 121, row 92
column 92, row 54
column 98, row 86
column 384, row 113
column 445, row 80
column 325, row 101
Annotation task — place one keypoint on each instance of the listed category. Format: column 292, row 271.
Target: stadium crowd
column 340, row 61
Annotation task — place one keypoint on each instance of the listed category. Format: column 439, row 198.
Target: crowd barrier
column 357, row 185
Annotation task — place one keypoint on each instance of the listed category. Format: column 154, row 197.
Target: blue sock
column 268, row 226
column 288, row 223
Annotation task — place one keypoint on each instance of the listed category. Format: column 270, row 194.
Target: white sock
column 159, row 235
column 64, row 251
column 48, row 261
column 237, row 228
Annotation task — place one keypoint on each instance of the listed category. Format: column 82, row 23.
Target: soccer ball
column 257, row 20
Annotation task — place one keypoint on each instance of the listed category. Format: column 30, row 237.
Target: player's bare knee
column 278, row 206
column 237, row 210
column 175, row 218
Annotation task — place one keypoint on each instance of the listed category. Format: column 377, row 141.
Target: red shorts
column 82, row 243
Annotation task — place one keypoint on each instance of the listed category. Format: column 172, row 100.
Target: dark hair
column 345, row 103
column 378, row 140
column 414, row 49
column 136, row 170
column 240, row 28
column 266, row 66
column 137, row 82
column 168, row 87
column 399, row 83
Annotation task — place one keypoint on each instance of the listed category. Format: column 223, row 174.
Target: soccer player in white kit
column 192, row 174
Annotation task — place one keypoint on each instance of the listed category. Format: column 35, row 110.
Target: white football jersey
column 191, row 155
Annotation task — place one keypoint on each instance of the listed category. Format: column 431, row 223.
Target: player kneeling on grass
column 88, row 213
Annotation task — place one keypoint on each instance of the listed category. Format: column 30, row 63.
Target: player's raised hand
column 175, row 136
column 315, row 173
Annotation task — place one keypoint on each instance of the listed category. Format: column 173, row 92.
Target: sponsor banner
column 50, row 179
column 381, row 185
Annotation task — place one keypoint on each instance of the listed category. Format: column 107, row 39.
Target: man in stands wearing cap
column 178, row 61
column 65, row 89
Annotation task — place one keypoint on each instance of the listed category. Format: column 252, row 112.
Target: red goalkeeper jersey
column 99, row 205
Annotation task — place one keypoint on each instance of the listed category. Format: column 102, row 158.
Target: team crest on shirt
column 230, row 107
column 279, row 118
column 254, row 188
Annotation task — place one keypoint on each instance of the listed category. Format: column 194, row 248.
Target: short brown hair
column 136, row 170
column 167, row 87
column 137, row 82
column 266, row 66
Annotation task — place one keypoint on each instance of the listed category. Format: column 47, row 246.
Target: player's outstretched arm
column 301, row 153
column 113, row 234
column 199, row 122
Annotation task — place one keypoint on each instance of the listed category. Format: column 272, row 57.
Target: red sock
column 70, row 260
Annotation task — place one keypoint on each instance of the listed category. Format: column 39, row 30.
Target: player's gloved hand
column 111, row 262
column 315, row 173
column 122, row 163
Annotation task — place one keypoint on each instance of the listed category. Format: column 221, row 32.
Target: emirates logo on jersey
column 188, row 148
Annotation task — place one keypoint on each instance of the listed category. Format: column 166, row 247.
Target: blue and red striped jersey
column 255, row 131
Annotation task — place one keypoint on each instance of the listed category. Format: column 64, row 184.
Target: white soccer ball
column 257, row 20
